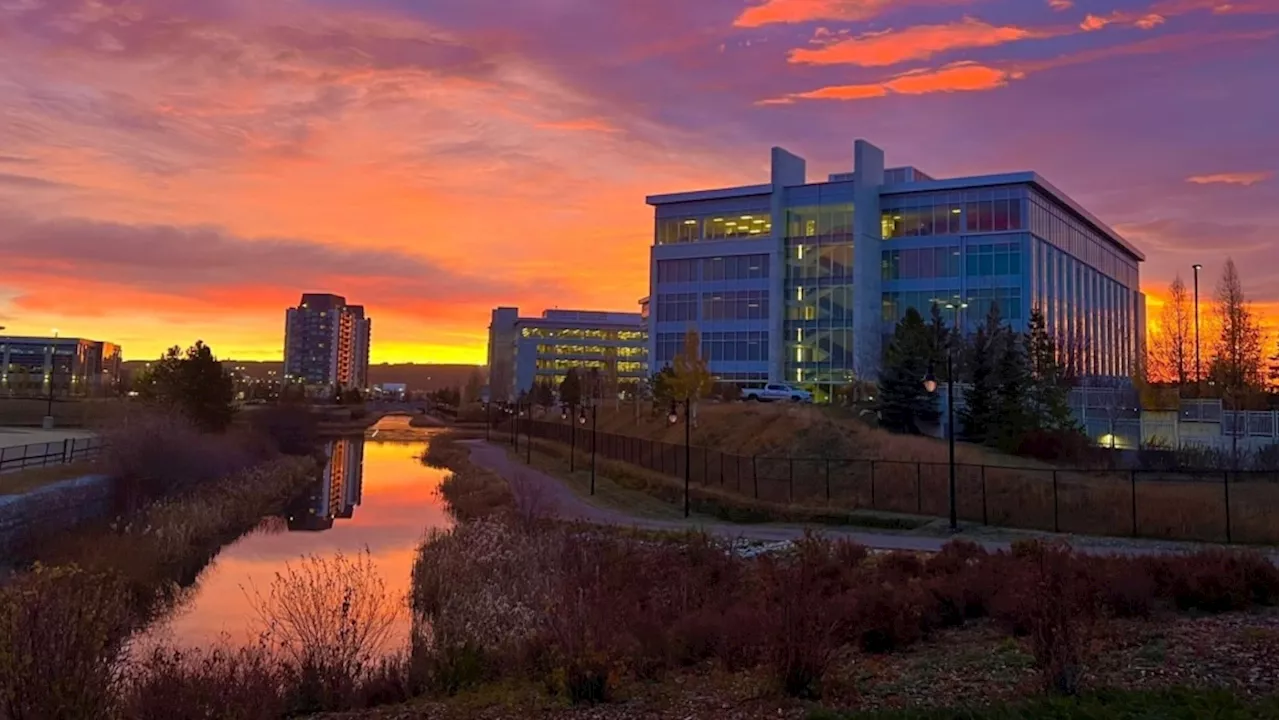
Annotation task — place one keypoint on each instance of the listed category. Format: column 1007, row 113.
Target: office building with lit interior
column 802, row 282
column 60, row 366
column 526, row 350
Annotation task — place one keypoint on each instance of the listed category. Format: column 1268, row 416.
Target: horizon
column 174, row 165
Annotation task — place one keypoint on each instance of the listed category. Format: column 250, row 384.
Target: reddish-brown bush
column 1215, row 580
column 1058, row 606
column 1124, row 586
column 890, row 616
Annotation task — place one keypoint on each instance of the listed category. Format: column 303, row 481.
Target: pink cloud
column 1230, row 178
column 920, row 42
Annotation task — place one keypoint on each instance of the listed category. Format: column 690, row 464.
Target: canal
column 372, row 495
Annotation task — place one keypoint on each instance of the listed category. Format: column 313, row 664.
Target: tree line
column 1015, row 383
column 1232, row 356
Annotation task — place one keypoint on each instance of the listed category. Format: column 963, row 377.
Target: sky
column 182, row 169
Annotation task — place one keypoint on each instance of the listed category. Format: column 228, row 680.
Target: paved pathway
column 553, row 497
column 15, row 436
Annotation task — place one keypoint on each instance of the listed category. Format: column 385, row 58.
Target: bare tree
column 1173, row 346
column 1238, row 357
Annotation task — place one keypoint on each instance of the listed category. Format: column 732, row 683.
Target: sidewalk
column 562, row 502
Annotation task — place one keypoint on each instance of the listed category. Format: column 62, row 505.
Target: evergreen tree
column 195, row 384
column 903, row 401
column 571, row 388
column 1012, row 376
column 1049, row 389
column 543, row 394
column 978, row 416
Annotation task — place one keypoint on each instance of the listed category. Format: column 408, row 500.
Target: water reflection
column 374, row 495
column 337, row 492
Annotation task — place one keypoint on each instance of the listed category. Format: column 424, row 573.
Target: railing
column 1208, row 506
column 70, row 450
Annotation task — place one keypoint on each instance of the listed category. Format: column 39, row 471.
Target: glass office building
column 527, row 350
column 802, row 282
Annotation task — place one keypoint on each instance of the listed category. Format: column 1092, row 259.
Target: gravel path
column 553, row 497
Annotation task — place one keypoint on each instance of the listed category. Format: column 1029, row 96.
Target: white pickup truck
column 777, row 391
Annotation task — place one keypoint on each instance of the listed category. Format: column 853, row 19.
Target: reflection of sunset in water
column 384, row 499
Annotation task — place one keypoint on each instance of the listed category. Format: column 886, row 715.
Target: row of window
column 977, row 302
column 1070, row 235
column 740, row 346
column 937, row 262
column 953, row 219
column 620, row 351
column 584, row 334
column 829, row 220
column 730, row 267
column 677, row 307
column 736, row 305
column 719, row 226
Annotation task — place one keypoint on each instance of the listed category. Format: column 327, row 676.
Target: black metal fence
column 61, row 452
column 1213, row 507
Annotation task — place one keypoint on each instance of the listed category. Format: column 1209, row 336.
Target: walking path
column 555, row 498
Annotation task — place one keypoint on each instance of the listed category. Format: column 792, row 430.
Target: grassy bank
column 1177, row 704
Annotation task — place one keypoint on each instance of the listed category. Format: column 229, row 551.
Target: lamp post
column 528, row 432
column 1195, row 269
column 673, row 418
column 487, row 422
column 582, row 420
column 565, row 413
column 931, row 386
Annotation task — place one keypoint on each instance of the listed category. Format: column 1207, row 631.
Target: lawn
column 22, row 481
column 1175, row 704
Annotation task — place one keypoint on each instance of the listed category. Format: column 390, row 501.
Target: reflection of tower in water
column 336, row 492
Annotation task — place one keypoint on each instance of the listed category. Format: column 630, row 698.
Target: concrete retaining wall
column 52, row 508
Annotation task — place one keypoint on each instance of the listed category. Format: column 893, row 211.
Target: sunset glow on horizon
column 182, row 169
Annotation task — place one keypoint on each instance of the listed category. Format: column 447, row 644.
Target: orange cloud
column 1148, row 21
column 1060, row 5
column 773, row 12
column 1093, row 22
column 921, row 42
column 1236, row 178
column 956, row 77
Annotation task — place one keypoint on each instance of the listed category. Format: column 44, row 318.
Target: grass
column 23, row 481
column 1173, row 704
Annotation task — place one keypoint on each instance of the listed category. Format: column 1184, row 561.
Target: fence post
column 737, row 475
column 1226, row 500
column 755, row 477
column 873, row 484
column 919, row 502
column 1055, row 501
column 705, row 460
column 67, row 449
column 828, row 480
column 1133, row 499
column 721, row 468
column 791, row 480
column 984, row 493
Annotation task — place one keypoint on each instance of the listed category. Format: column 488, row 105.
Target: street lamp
column 1196, row 284
column 565, row 412
column 672, row 418
column 931, row 386
column 528, row 432
column 582, row 420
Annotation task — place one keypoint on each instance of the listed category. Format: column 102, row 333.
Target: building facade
column 526, row 350
column 326, row 344
column 73, row 367
column 802, row 282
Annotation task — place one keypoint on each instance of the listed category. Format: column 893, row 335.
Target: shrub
column 328, row 618
column 1058, row 608
column 1069, row 446
column 244, row 683
column 61, row 631
column 804, row 617
column 1124, row 587
column 154, row 453
column 890, row 616
column 1216, row 580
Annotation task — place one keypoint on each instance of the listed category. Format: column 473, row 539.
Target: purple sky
column 180, row 167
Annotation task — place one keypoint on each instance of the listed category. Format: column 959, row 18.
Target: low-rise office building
column 798, row 281
column 527, row 350
column 71, row 367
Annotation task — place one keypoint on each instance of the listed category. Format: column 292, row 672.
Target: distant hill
column 419, row 377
